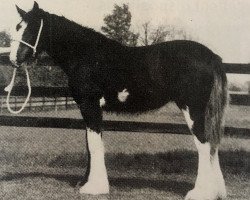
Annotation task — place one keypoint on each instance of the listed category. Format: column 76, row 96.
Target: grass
column 42, row 164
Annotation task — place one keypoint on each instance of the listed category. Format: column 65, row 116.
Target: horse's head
column 27, row 36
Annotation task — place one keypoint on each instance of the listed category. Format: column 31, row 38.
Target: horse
column 104, row 75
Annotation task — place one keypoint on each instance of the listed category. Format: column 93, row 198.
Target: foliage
column 5, row 75
column 43, row 72
column 160, row 34
column 4, row 39
column 117, row 26
column 47, row 76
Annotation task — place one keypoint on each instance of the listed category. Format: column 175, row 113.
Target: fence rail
column 38, row 103
column 236, row 68
column 126, row 126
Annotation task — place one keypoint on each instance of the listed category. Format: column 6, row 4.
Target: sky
column 222, row 25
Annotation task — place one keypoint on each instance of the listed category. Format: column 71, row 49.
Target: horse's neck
column 68, row 46
column 61, row 46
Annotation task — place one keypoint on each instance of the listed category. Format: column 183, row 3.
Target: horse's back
column 180, row 71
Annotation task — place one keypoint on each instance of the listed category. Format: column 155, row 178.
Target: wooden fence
column 38, row 103
column 118, row 125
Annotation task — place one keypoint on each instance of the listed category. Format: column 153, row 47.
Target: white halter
column 37, row 39
column 10, row 86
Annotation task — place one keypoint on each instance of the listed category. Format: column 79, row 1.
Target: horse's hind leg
column 209, row 184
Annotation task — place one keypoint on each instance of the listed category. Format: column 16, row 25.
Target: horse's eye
column 18, row 26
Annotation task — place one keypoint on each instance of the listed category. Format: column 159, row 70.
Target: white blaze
column 98, row 179
column 16, row 36
column 122, row 96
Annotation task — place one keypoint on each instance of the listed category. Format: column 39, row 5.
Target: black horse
column 105, row 75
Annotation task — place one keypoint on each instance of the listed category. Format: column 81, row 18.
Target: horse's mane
column 78, row 30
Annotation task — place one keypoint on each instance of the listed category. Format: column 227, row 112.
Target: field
column 42, row 164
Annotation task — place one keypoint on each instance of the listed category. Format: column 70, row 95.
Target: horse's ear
column 35, row 6
column 20, row 11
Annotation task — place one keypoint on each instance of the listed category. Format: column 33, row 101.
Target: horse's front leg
column 97, row 179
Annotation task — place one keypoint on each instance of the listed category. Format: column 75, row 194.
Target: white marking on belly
column 122, row 96
column 102, row 102
column 16, row 35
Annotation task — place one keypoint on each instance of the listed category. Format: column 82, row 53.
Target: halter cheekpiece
column 37, row 39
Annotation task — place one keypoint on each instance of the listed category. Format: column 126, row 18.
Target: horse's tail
column 214, row 116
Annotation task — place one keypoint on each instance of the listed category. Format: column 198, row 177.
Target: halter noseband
column 37, row 39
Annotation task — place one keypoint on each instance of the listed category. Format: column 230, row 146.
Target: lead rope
column 10, row 87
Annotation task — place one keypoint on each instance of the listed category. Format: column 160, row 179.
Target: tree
column 4, row 39
column 160, row 34
column 153, row 35
column 133, row 39
column 117, row 26
column 146, row 32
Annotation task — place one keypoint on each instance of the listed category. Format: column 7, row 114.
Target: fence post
column 2, row 100
column 66, row 103
column 55, row 104
column 43, row 103
column 30, row 104
column 15, row 103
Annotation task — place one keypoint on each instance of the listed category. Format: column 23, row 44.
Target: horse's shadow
column 181, row 162
column 178, row 162
column 177, row 187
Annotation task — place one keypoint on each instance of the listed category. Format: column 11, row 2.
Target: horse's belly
column 131, row 101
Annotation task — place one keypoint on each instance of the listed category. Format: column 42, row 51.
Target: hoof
column 203, row 194
column 95, row 188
